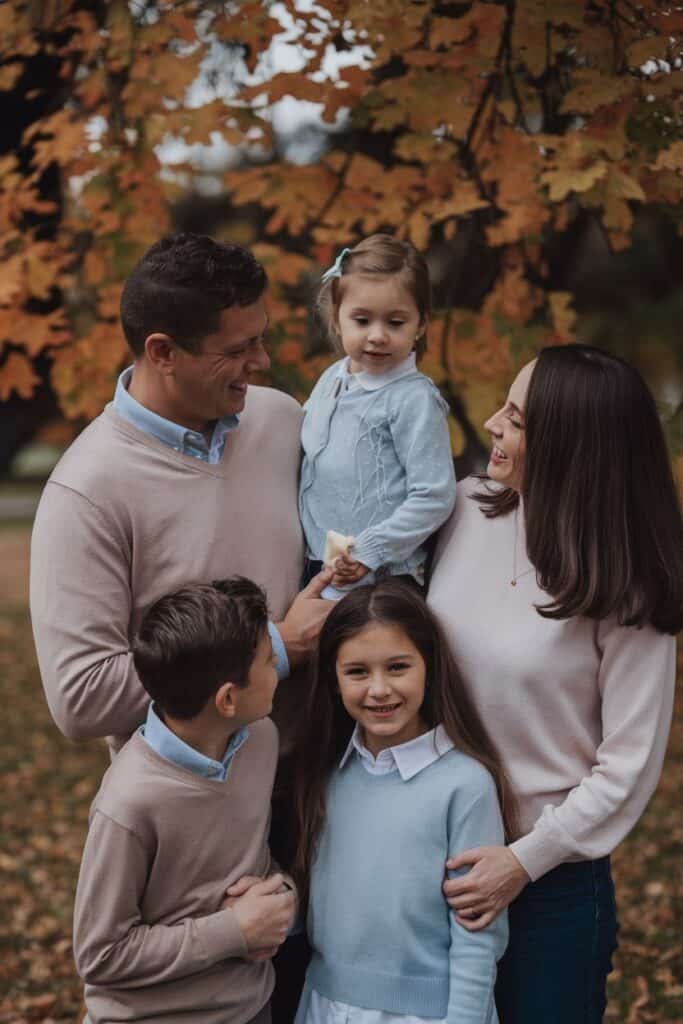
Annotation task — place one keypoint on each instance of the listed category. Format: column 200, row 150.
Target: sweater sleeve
column 474, row 955
column 113, row 946
column 81, row 610
column 419, row 431
column 636, row 682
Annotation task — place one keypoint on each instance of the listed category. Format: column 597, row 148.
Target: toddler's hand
column 347, row 571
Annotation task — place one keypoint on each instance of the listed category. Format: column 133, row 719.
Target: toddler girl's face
column 381, row 677
column 378, row 321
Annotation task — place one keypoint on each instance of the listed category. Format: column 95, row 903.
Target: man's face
column 212, row 382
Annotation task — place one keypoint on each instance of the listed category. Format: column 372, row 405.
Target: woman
column 558, row 585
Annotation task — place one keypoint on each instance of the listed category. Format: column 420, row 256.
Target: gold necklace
column 515, row 577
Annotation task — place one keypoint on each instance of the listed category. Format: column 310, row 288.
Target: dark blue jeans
column 563, row 932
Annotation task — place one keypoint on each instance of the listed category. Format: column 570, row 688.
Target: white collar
column 409, row 758
column 374, row 381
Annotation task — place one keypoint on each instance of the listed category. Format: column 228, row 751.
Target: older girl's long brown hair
column 327, row 726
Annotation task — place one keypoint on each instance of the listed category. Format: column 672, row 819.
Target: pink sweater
column 124, row 519
column 580, row 710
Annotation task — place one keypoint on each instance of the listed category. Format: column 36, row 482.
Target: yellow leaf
column 11, row 279
column 566, row 179
column 624, row 186
column 41, row 273
column 593, row 90
column 10, row 75
column 670, row 159
column 16, row 374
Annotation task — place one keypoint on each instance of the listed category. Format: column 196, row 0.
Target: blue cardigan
column 377, row 466
column 383, row 936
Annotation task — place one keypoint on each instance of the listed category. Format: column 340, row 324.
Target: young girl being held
column 396, row 774
column 377, row 466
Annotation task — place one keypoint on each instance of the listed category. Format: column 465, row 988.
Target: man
column 189, row 475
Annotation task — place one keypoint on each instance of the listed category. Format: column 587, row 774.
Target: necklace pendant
column 513, row 583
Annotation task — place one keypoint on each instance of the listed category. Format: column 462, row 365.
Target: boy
column 182, row 815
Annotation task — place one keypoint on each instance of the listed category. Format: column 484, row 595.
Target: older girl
column 396, row 772
column 559, row 582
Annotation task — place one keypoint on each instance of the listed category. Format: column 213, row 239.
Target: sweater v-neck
column 215, row 469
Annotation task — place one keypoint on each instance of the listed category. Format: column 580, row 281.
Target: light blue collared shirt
column 173, row 749
column 189, row 442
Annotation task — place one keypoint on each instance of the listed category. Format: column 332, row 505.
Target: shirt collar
column 190, row 442
column 409, row 758
column 374, row 381
column 173, row 749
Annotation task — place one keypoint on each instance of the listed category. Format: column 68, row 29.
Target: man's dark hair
column 192, row 641
column 182, row 284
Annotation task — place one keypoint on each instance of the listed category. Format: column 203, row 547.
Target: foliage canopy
column 504, row 120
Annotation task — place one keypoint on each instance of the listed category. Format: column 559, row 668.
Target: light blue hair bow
column 336, row 269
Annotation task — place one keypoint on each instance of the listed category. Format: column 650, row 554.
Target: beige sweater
column 150, row 939
column 579, row 710
column 124, row 519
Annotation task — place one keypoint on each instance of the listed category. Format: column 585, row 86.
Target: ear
column 161, row 352
column 225, row 700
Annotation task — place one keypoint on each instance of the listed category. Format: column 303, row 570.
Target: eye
column 399, row 666
column 397, row 323
column 361, row 320
column 355, row 673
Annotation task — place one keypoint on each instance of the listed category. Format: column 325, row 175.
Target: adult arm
column 636, row 681
column 420, row 435
column 81, row 610
column 112, row 945
column 474, row 955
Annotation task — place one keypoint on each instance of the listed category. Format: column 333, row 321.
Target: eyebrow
column 393, row 312
column 361, row 661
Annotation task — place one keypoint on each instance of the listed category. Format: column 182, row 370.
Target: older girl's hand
column 494, row 880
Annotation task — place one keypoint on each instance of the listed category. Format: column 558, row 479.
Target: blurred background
column 533, row 150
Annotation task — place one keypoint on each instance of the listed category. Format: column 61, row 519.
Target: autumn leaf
column 16, row 374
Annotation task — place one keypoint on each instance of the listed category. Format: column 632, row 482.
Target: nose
column 258, row 358
column 379, row 686
column 377, row 333
column 494, row 424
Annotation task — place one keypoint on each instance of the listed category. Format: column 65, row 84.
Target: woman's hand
column 347, row 571
column 494, row 880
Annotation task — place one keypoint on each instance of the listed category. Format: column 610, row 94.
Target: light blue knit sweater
column 382, row 934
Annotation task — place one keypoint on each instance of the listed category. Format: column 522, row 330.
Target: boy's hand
column 347, row 571
column 300, row 627
column 264, row 913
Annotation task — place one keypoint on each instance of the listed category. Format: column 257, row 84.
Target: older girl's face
column 506, row 427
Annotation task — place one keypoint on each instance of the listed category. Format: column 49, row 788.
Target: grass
column 48, row 784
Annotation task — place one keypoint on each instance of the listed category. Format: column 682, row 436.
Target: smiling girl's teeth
column 498, row 452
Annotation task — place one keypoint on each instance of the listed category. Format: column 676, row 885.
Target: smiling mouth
column 378, row 355
column 497, row 454
column 382, row 709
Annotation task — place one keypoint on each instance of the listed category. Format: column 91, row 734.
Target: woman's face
column 506, row 427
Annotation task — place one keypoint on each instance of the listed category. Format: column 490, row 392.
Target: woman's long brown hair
column 603, row 521
column 327, row 726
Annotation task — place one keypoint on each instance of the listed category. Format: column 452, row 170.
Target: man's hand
column 494, row 880
column 301, row 625
column 347, row 571
column 264, row 913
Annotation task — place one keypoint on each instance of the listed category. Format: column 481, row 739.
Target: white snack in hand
column 336, row 544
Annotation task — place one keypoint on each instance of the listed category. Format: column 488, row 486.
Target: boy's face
column 255, row 700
